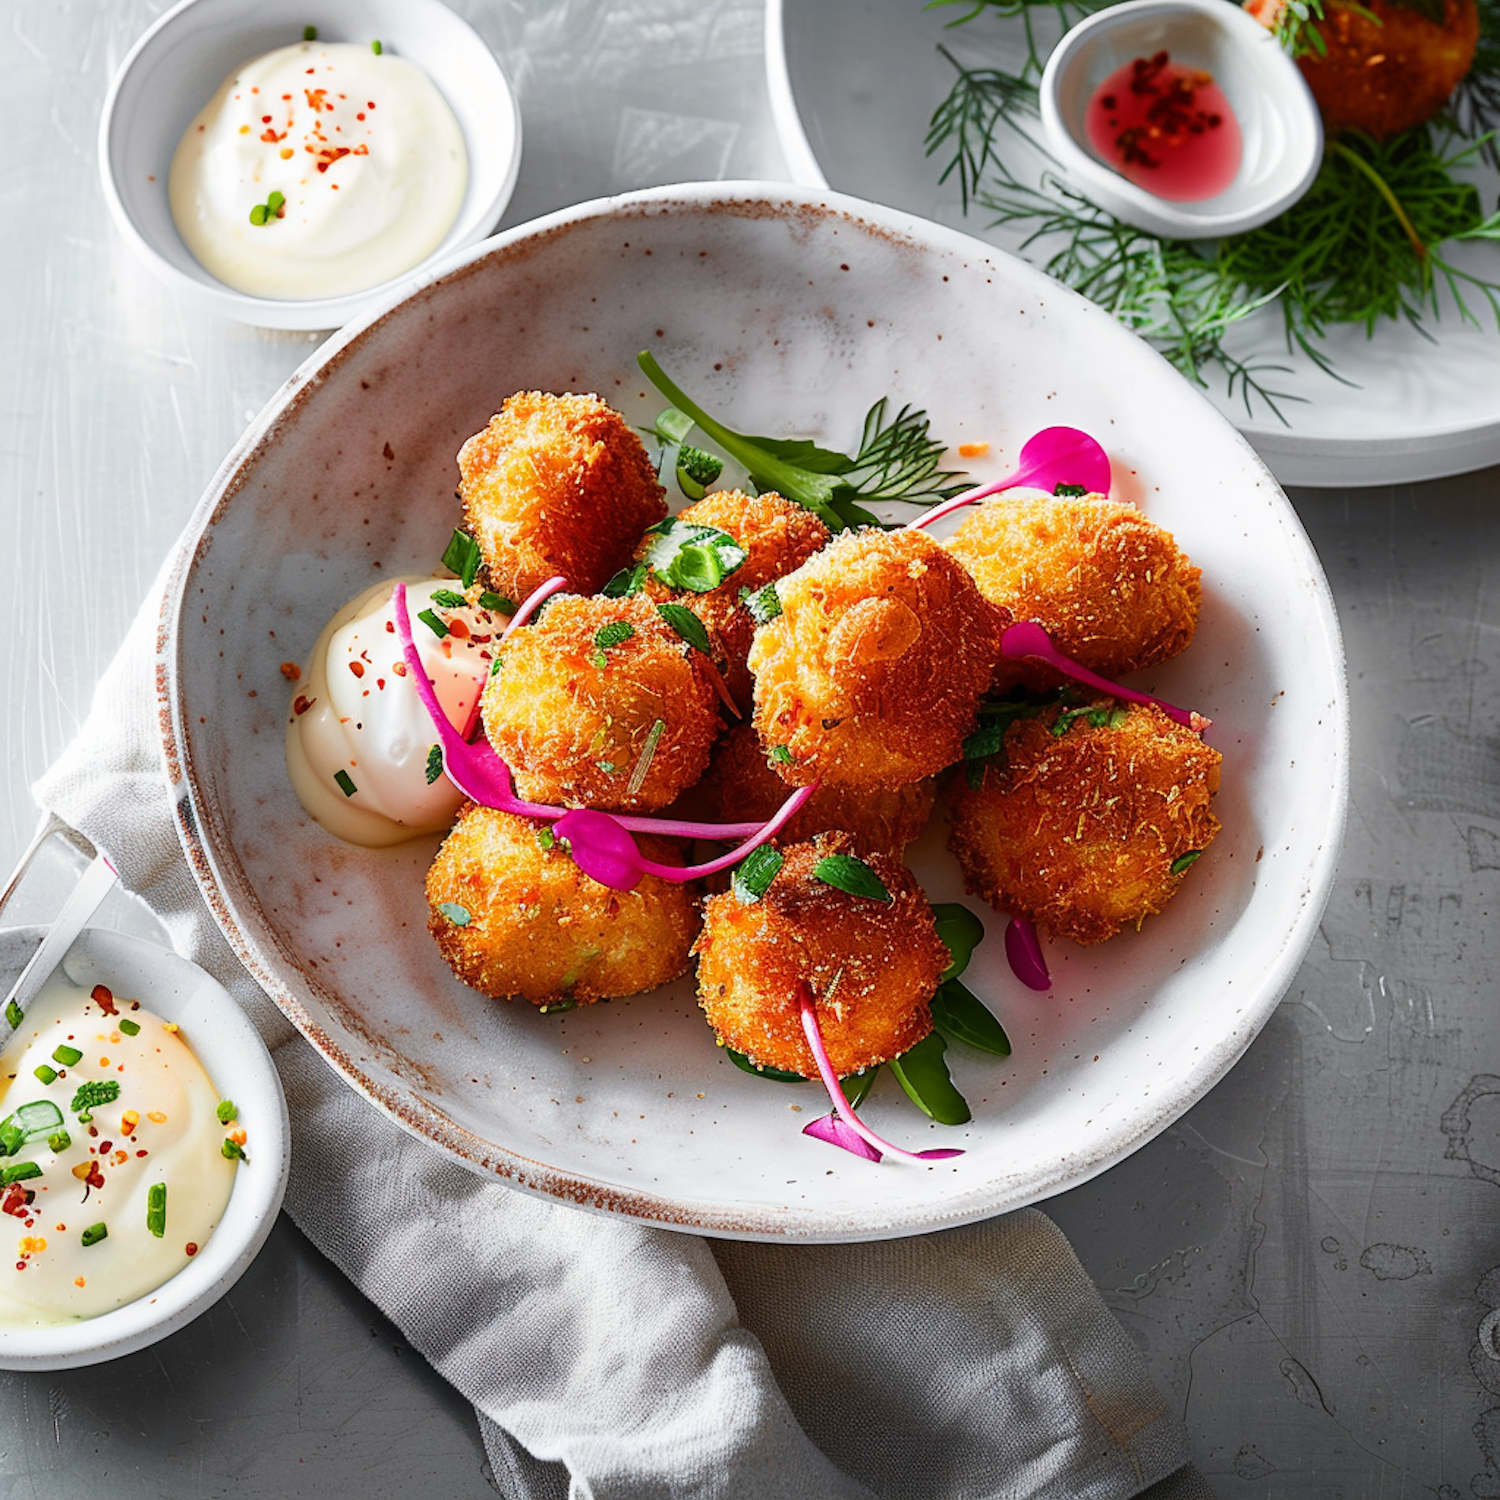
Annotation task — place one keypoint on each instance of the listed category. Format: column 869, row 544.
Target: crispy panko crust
column 1388, row 66
column 873, row 671
column 556, row 484
column 740, row 786
column 1079, row 830
column 779, row 536
column 1109, row 587
column 539, row 929
column 885, row 957
column 573, row 718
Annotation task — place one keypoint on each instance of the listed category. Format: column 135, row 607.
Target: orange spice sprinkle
column 973, row 450
column 156, row 1117
column 79, row 1281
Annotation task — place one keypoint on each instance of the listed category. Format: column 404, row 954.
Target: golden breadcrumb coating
column 573, row 712
column 1387, row 66
column 556, row 484
column 873, row 965
column 1079, row 830
column 539, row 929
column 779, row 536
column 873, row 671
column 1109, row 586
column 741, row 786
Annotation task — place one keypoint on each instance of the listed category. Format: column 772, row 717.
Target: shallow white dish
column 855, row 117
column 1280, row 128
column 173, row 70
column 787, row 312
column 234, row 1056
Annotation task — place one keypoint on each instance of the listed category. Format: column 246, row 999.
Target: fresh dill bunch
column 1474, row 110
column 969, row 121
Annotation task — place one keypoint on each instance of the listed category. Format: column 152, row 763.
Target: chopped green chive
column 448, row 598
column 673, row 425
column 557, row 1005
column 93, row 1234
column 257, row 216
column 692, row 557
column 228, row 1110
column 14, row 1014
column 1180, row 865
column 46, row 1074
column 460, row 916
column 156, row 1208
column 781, row 754
column 232, row 1150
column 434, row 764
column 21, row 1171
column 309, row 33
column 497, row 603
column 852, row 876
column 696, row 470
column 545, row 839
column 461, row 556
column 432, row 622
column 753, row 875
column 345, row 783
column 764, row 603
column 376, row 48
column 59, row 1141
column 1070, row 491
column 687, row 625
column 130, row 1028
column 67, row 1055
column 644, row 759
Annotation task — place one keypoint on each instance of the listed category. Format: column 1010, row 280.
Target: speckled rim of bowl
column 230, row 1048
column 219, row 885
column 145, row 222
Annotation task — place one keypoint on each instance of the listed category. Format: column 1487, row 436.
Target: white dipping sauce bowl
column 1281, row 130
column 237, row 1061
column 174, row 69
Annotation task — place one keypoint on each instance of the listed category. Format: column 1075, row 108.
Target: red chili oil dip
column 1167, row 128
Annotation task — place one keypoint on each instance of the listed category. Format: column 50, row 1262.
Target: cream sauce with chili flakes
column 357, row 716
column 363, row 149
column 163, row 1128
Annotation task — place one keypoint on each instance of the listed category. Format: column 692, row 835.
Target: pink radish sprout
column 1054, row 456
column 840, row 1104
column 1023, row 951
column 833, row 1130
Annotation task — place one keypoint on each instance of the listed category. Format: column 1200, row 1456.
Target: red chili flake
column 191, row 1248
column 20, row 1265
column 399, row 668
column 358, row 668
column 360, row 115
column 380, row 683
column 14, row 1202
column 458, row 629
column 291, row 671
column 301, row 703
column 317, row 99
column 104, row 998
column 140, row 1153
column 105, row 1146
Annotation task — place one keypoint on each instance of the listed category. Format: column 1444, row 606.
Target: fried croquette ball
column 516, row 920
column 873, row 965
column 556, row 484
column 600, row 703
column 741, row 787
column 872, row 672
column 1386, row 66
column 1107, row 585
column 777, row 535
column 1085, row 822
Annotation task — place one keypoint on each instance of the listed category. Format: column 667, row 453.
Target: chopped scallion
column 228, row 1110
column 448, row 598
column 376, row 48
column 156, row 1209
column 46, row 1074
column 130, row 1028
column 232, row 1150
column 21, row 1171
column 461, row 556
column 497, row 603
column 66, row 1055
column 345, row 783
column 14, row 1013
column 309, row 33
column 459, row 916
column 1179, row 866
column 753, row 875
column 59, row 1141
column 93, row 1234
column 431, row 621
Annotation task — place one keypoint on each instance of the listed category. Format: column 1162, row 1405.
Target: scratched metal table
column 1310, row 1258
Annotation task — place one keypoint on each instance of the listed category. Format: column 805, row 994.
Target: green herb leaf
column 93, row 1234
column 961, row 932
column 1183, row 862
column 961, row 1014
column 433, row 622
column 156, row 1208
column 497, row 603
column 857, row 1085
column 744, row 1064
column 921, row 1071
column 1070, row 491
column 232, row 1150
column 616, row 633
column 763, row 603
column 852, row 876
column 687, row 556
column 781, row 754
column 687, row 625
column 448, row 598
column 461, row 556
column 91, row 1095
column 458, row 915
column 627, row 582
column 31, row 1122
column 753, row 875
column 227, row 1110
column 345, row 783
column 434, row 763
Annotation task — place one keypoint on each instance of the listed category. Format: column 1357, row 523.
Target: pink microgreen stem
column 1027, row 640
column 1054, row 456
column 604, row 850
column 808, row 1007
column 833, row 1130
column 1023, row 951
column 533, row 602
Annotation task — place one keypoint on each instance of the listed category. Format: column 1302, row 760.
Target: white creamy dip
column 366, row 156
column 358, row 740
column 162, row 1131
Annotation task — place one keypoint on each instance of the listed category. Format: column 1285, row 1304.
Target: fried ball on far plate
column 600, row 703
column 1080, row 822
column 556, row 484
column 1109, row 586
column 516, row 920
column 741, row 786
column 872, row 672
column 778, row 535
column 873, row 965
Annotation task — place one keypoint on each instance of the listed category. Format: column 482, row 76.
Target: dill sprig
column 1474, row 110
column 970, row 118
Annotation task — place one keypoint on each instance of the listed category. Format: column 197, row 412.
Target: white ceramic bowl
column 786, row 312
column 1281, row 130
column 234, row 1056
column 173, row 70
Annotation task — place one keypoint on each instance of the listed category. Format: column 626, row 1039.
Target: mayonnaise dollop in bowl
column 392, row 143
column 146, row 1149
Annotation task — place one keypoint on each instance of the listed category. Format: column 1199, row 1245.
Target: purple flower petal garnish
column 1026, row 640
column 1023, row 951
column 833, row 1130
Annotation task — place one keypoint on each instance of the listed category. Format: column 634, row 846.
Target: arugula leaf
column 921, row 1071
column 960, row 1013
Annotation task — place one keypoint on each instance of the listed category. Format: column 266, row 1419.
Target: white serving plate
column 784, row 311
column 853, row 86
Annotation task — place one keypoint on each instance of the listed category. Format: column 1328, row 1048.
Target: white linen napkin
column 612, row 1360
